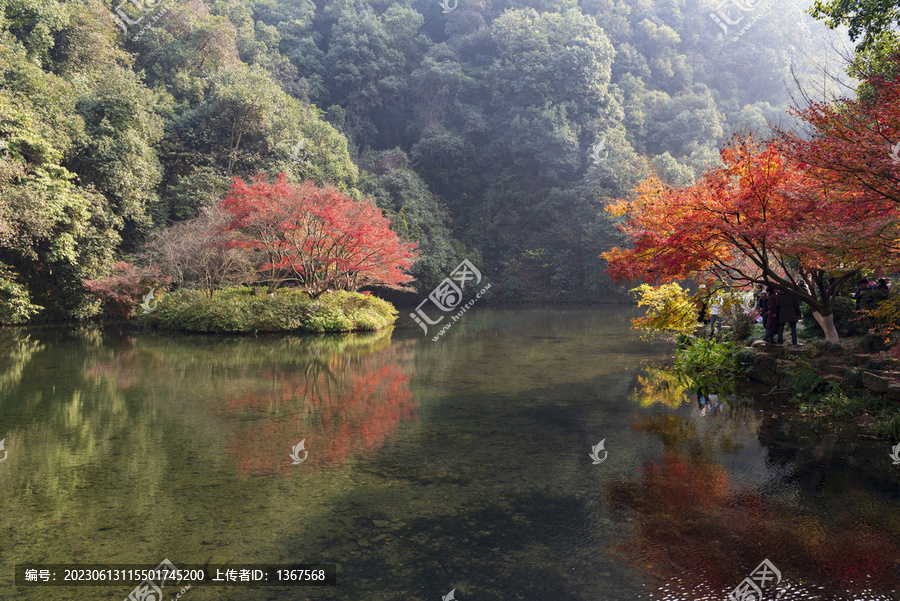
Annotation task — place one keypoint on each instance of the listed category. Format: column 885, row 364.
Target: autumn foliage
column 760, row 218
column 853, row 149
column 123, row 290
column 316, row 238
column 670, row 310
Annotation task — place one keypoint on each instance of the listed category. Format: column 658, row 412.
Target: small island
column 311, row 247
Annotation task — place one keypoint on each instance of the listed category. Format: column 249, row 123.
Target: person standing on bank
column 771, row 315
column 788, row 312
column 715, row 314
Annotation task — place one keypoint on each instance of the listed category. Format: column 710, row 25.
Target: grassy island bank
column 240, row 310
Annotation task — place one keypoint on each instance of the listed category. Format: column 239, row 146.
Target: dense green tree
column 243, row 124
column 115, row 154
column 868, row 20
column 368, row 61
column 415, row 214
column 182, row 49
column 53, row 234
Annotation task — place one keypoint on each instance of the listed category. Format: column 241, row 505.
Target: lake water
column 461, row 464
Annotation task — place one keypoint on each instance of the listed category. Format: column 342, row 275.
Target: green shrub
column 742, row 326
column 826, row 396
column 745, row 357
column 364, row 320
column 873, row 343
column 239, row 310
column 854, row 378
column 835, row 403
column 326, row 318
column 889, row 426
column 806, row 385
column 757, row 331
column 710, row 364
column 349, row 301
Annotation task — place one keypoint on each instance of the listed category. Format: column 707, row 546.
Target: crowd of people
column 776, row 309
column 868, row 294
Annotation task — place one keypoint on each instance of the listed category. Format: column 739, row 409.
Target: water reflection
column 659, row 385
column 340, row 406
column 122, row 443
column 460, row 464
column 17, row 347
column 719, row 499
column 343, row 395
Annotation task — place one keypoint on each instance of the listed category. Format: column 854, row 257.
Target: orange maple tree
column 758, row 219
column 316, row 238
column 853, row 145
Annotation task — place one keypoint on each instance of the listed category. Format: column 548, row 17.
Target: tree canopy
column 316, row 238
column 759, row 219
column 477, row 132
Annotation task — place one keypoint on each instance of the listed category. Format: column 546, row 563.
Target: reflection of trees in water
column 124, row 367
column 343, row 394
column 69, row 436
column 16, row 350
column 693, row 525
column 341, row 405
column 659, row 385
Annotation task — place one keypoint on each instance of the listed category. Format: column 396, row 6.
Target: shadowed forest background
column 472, row 129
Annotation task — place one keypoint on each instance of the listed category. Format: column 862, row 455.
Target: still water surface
column 459, row 464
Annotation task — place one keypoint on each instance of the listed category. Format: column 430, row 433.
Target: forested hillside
column 496, row 131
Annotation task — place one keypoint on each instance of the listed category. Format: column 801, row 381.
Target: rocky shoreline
column 868, row 372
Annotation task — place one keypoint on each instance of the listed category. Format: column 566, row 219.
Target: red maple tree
column 122, row 291
column 853, row 145
column 316, row 238
column 758, row 219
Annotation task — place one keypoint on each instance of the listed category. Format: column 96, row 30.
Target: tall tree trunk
column 826, row 322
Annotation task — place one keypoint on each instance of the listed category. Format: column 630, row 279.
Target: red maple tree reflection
column 693, row 525
column 340, row 407
column 342, row 396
